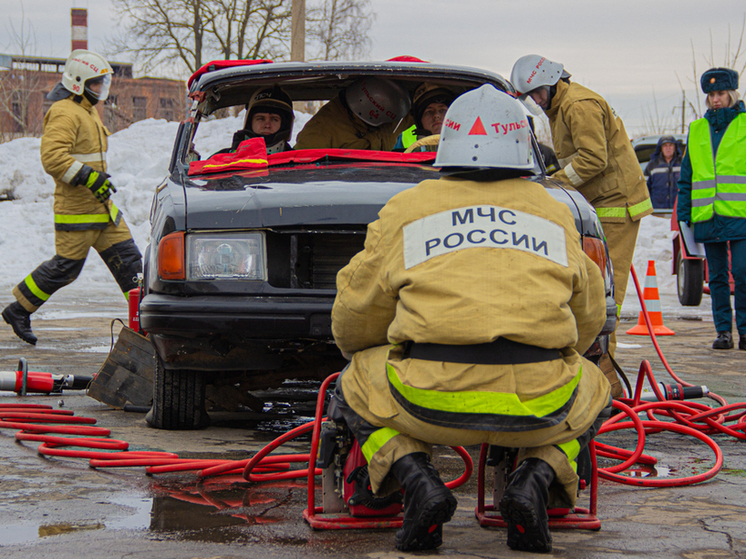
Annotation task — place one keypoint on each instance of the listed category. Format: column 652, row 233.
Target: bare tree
column 339, row 29
column 171, row 36
column 162, row 32
column 734, row 57
column 19, row 85
column 249, row 28
column 657, row 122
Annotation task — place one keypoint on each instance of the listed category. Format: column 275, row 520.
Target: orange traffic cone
column 653, row 305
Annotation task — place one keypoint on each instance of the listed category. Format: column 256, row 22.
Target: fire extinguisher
column 133, row 299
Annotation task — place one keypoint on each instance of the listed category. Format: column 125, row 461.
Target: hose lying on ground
column 691, row 418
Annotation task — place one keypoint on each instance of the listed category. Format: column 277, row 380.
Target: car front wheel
column 690, row 279
column 178, row 399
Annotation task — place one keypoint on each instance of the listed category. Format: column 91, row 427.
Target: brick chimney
column 79, row 28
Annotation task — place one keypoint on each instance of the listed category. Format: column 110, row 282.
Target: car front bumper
column 234, row 332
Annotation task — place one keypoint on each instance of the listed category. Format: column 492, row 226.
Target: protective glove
column 96, row 181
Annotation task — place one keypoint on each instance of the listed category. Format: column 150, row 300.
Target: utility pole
column 683, row 112
column 298, row 31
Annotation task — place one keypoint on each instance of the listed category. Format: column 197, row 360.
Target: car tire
column 178, row 399
column 690, row 278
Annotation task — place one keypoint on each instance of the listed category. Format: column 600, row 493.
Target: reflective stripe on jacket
column 596, row 155
column 719, row 181
column 75, row 136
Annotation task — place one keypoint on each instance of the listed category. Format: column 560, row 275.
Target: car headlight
column 230, row 256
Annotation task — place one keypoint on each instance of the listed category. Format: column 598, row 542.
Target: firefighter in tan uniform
column 465, row 317
column 366, row 115
column 597, row 159
column 73, row 152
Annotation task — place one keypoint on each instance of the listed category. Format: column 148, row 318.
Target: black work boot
column 524, row 506
column 742, row 341
column 723, row 341
column 428, row 503
column 20, row 319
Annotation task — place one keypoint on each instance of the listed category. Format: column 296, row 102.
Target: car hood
column 331, row 196
column 340, row 195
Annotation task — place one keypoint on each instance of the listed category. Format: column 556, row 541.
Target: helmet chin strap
column 88, row 95
column 552, row 93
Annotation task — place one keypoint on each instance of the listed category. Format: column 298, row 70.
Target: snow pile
column 138, row 160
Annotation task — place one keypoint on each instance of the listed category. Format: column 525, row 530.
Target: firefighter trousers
column 621, row 239
column 385, row 438
column 115, row 246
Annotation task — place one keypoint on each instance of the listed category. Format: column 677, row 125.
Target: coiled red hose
column 690, row 418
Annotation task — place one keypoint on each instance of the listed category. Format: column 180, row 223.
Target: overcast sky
column 635, row 53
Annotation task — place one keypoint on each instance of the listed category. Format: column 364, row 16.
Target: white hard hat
column 485, row 128
column 533, row 71
column 82, row 66
column 377, row 101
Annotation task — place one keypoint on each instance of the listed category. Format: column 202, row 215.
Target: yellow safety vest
column 718, row 181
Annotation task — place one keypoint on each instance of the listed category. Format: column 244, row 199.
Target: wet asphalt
column 62, row 508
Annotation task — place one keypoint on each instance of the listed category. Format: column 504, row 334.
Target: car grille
column 310, row 260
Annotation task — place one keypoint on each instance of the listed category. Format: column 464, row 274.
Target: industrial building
column 26, row 80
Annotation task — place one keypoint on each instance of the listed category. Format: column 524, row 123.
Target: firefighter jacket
column 334, row 126
column 74, row 136
column 459, row 262
column 663, row 176
column 712, row 190
column 596, row 155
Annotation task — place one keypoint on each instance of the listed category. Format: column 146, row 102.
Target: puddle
column 140, row 520
column 13, row 534
column 72, row 315
column 97, row 349
column 644, row 471
column 216, row 511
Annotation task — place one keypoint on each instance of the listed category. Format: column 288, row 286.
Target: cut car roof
column 233, row 83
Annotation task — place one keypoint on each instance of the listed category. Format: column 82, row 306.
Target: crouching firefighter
column 73, row 152
column 465, row 318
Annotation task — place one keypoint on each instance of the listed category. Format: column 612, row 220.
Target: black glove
column 96, row 181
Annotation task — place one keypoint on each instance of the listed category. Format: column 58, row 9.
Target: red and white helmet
column 533, row 71
column 83, row 66
column 485, row 128
column 377, row 101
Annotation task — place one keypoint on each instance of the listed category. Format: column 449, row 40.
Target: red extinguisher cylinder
column 134, row 310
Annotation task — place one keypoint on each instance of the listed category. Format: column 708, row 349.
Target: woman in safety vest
column 712, row 197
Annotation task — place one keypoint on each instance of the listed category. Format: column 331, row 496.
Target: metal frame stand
column 338, row 519
column 559, row 519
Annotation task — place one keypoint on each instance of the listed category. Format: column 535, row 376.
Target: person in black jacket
column 663, row 172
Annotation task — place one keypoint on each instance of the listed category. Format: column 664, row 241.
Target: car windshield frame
column 233, row 85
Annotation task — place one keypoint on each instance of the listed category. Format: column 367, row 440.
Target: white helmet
column 81, row 67
column 485, row 128
column 533, row 71
column 377, row 101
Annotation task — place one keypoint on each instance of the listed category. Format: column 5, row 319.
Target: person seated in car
column 270, row 116
column 429, row 105
column 366, row 115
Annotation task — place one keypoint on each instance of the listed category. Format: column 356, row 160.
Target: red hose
column 690, row 418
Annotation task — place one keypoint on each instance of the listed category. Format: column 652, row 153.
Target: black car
column 239, row 276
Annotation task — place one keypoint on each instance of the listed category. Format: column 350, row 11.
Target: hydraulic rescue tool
column 23, row 381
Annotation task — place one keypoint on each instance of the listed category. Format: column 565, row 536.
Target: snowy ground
column 138, row 160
